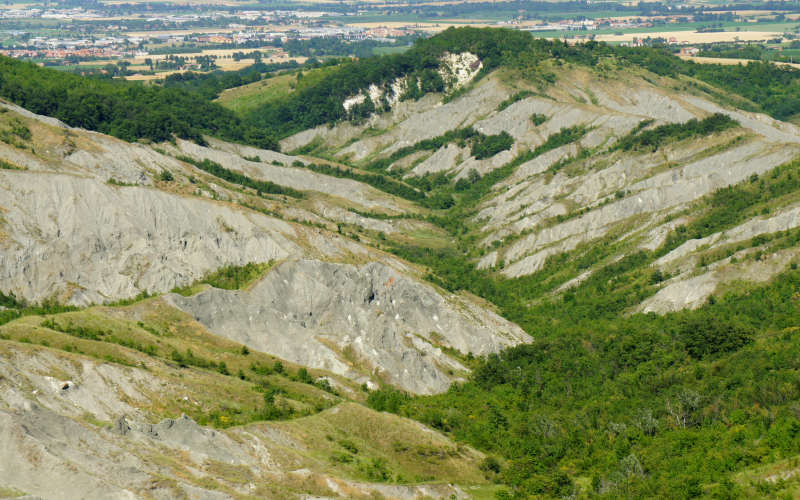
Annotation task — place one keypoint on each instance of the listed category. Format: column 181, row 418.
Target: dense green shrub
column 10, row 300
column 614, row 396
column 489, row 145
column 387, row 399
column 610, row 395
column 191, row 359
column 703, row 337
column 537, row 119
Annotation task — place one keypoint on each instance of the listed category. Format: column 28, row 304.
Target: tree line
column 129, row 111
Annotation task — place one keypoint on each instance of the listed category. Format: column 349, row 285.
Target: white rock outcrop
column 456, row 70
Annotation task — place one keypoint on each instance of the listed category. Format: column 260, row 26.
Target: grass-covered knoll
column 209, row 85
column 245, row 98
column 126, row 110
column 379, row 447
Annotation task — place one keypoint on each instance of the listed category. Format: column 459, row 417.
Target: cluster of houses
column 76, row 13
column 56, row 48
column 118, row 47
column 586, row 25
column 66, row 54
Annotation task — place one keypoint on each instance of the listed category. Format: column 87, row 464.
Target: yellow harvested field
column 229, row 52
column 195, row 2
column 748, row 12
column 269, row 53
column 21, row 5
column 179, row 32
column 265, row 27
column 729, row 61
column 429, row 27
column 224, row 64
column 147, row 78
column 472, row 22
column 383, row 4
column 446, row 2
column 694, row 37
column 98, row 62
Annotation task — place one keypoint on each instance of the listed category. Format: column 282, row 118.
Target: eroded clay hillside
column 109, row 220
column 78, row 427
column 578, row 172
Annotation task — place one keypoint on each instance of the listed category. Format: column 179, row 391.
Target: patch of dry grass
column 352, row 438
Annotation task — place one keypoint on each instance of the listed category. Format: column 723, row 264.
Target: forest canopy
column 129, row 111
